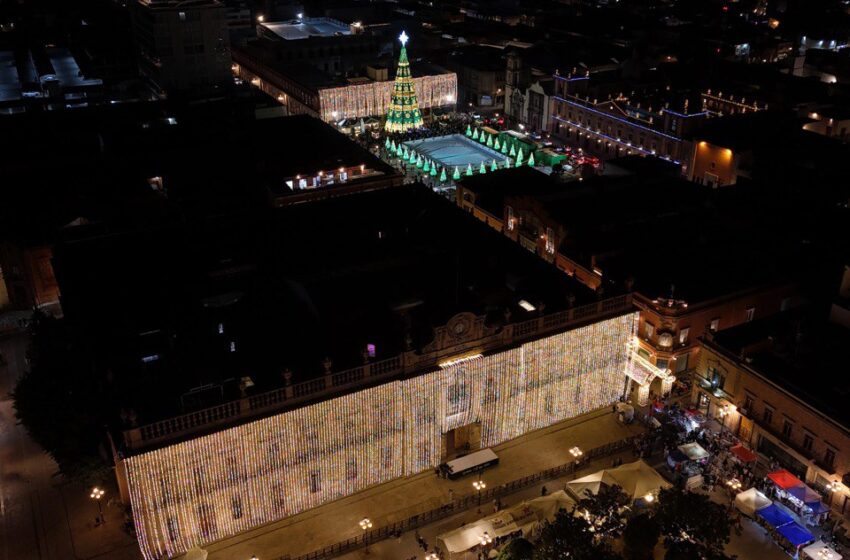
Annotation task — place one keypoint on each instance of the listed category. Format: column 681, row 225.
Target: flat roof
column 256, row 293
column 801, row 351
column 308, row 27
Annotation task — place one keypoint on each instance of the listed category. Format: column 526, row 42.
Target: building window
column 315, row 482
column 511, row 220
column 767, row 417
column 550, row 240
column 714, row 325
column 808, row 440
column 236, row 507
column 787, row 427
column 718, row 380
column 829, row 458
column 662, row 363
column 749, row 404
column 683, row 335
column 648, row 330
column 751, row 312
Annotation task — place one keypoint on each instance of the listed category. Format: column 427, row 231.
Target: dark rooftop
column 208, row 301
column 802, row 352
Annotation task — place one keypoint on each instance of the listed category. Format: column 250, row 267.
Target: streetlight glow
column 365, row 523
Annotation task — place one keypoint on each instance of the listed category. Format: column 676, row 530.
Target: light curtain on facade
column 230, row 481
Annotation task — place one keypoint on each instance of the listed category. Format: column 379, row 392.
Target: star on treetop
column 403, row 38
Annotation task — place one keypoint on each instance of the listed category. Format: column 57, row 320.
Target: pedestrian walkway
column 400, row 499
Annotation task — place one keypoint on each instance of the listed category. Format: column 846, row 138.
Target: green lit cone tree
column 404, row 114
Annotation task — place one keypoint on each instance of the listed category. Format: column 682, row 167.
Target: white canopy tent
column 693, row 451
column 819, row 550
column 195, row 554
column 749, row 501
column 525, row 516
column 636, row 479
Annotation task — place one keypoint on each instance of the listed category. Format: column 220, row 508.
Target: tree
column 605, row 509
column 571, row 537
column 640, row 537
column 58, row 403
column 688, row 519
column 517, row 549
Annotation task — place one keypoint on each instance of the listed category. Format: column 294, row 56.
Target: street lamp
column 365, row 524
column 485, row 539
column 432, row 556
column 261, row 18
column 734, row 484
column 576, row 452
column 649, row 498
column 254, row 557
column 479, row 485
column 96, row 495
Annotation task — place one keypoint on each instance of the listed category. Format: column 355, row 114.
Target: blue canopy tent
column 805, row 494
column 795, row 534
column 819, row 508
column 775, row 516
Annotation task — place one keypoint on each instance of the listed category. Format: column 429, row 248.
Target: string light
column 230, row 481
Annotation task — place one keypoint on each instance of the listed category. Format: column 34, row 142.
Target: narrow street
column 41, row 516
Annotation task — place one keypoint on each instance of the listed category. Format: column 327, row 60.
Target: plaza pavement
column 401, row 498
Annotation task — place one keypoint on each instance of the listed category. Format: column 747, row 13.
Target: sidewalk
column 399, row 499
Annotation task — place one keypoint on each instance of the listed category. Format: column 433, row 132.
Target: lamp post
column 479, row 485
column 432, row 556
column 97, row 495
column 833, row 487
column 485, row 539
column 365, row 524
column 576, row 452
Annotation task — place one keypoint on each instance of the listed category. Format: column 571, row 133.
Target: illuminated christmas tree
column 482, row 168
column 494, row 166
column 404, row 111
column 443, row 175
column 456, row 174
column 434, row 169
column 468, row 130
column 469, row 170
column 531, row 160
column 489, row 141
column 496, row 145
column 475, row 134
column 519, row 158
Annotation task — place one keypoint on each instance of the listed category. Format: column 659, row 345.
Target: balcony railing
column 345, row 381
column 798, row 448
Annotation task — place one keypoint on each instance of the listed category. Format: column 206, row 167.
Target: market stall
column 819, row 550
column 637, row 479
column 743, row 454
column 784, row 480
column 795, row 535
column 750, row 501
column 774, row 516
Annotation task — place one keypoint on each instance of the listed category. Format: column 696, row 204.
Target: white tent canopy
column 813, row 551
column 749, row 501
column 525, row 516
column 636, row 479
column 195, row 554
column 693, row 451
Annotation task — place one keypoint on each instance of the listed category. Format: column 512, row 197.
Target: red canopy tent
column 784, row 479
column 743, row 454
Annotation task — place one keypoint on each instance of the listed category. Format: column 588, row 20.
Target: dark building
column 183, row 47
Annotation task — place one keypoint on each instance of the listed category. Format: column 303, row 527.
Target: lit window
column 751, row 312
column 715, row 323
column 648, row 330
column 233, row 346
column 511, row 219
column 550, row 240
column 221, row 328
column 683, row 335
column 526, row 305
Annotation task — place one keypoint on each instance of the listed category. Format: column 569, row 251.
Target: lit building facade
column 217, row 485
